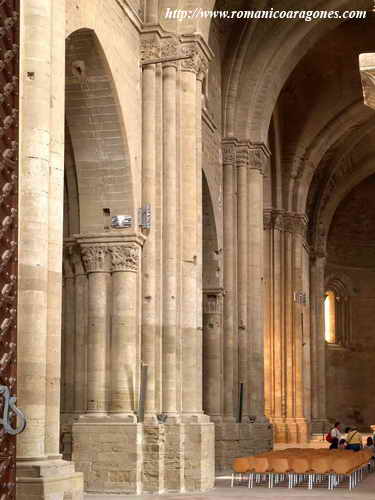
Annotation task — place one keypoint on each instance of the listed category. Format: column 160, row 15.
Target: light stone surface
column 243, row 138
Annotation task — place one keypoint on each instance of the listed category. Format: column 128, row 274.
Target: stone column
column 275, row 369
column 34, row 218
column 213, row 349
column 230, row 314
column 69, row 333
column 295, row 226
column 171, row 330
column 96, row 260
column 300, row 319
column 243, row 266
column 39, row 467
column 279, row 354
column 150, row 50
column 191, row 260
column 125, row 263
column 81, row 323
column 269, row 392
column 258, row 155
column 318, row 344
column 55, row 227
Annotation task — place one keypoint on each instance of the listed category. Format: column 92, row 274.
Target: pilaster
column 230, row 319
column 288, row 344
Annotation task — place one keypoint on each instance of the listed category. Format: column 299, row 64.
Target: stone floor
column 366, row 490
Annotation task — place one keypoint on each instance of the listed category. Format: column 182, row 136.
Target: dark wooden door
column 9, row 104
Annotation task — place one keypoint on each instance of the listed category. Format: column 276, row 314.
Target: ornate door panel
column 9, row 100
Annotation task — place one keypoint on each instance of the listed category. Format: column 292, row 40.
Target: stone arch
column 335, row 141
column 212, row 268
column 340, row 283
column 71, row 198
column 250, row 99
column 323, row 223
column 96, row 130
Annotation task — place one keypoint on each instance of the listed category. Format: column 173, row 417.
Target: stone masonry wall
column 137, row 458
column 238, row 440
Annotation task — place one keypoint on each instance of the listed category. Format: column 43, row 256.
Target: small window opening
column 330, row 317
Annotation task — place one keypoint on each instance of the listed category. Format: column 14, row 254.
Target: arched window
column 330, row 317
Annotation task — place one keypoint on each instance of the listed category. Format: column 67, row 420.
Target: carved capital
column 124, row 258
column 258, row 156
column 150, row 48
column 170, row 48
column 229, row 152
column 296, row 224
column 273, row 219
column 267, row 220
column 278, row 221
column 242, row 156
column 77, row 262
column 95, row 258
column 197, row 61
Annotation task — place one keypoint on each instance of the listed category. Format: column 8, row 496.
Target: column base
column 291, row 430
column 48, row 480
column 240, row 439
column 120, row 457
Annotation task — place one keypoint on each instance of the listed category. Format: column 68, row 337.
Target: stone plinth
column 235, row 440
column 48, row 480
column 118, row 457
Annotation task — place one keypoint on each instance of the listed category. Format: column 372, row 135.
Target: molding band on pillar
column 253, row 155
column 289, row 222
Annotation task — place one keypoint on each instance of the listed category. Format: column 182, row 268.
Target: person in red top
column 336, row 431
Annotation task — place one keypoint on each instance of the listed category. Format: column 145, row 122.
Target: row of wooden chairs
column 300, row 466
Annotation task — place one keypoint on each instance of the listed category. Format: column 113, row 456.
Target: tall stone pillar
column 278, row 316
column 242, row 160
column 124, row 358
column 258, row 156
column 295, row 234
column 55, row 227
column 69, row 334
column 230, row 316
column 150, row 320
column 97, row 263
column 33, row 245
column 171, row 330
column 318, row 344
column 191, row 260
column 213, row 349
column 81, row 324
column 39, row 467
column 269, row 382
column 275, row 346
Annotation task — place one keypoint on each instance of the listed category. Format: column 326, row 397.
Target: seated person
column 354, row 440
column 342, row 444
column 370, row 444
column 334, row 444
